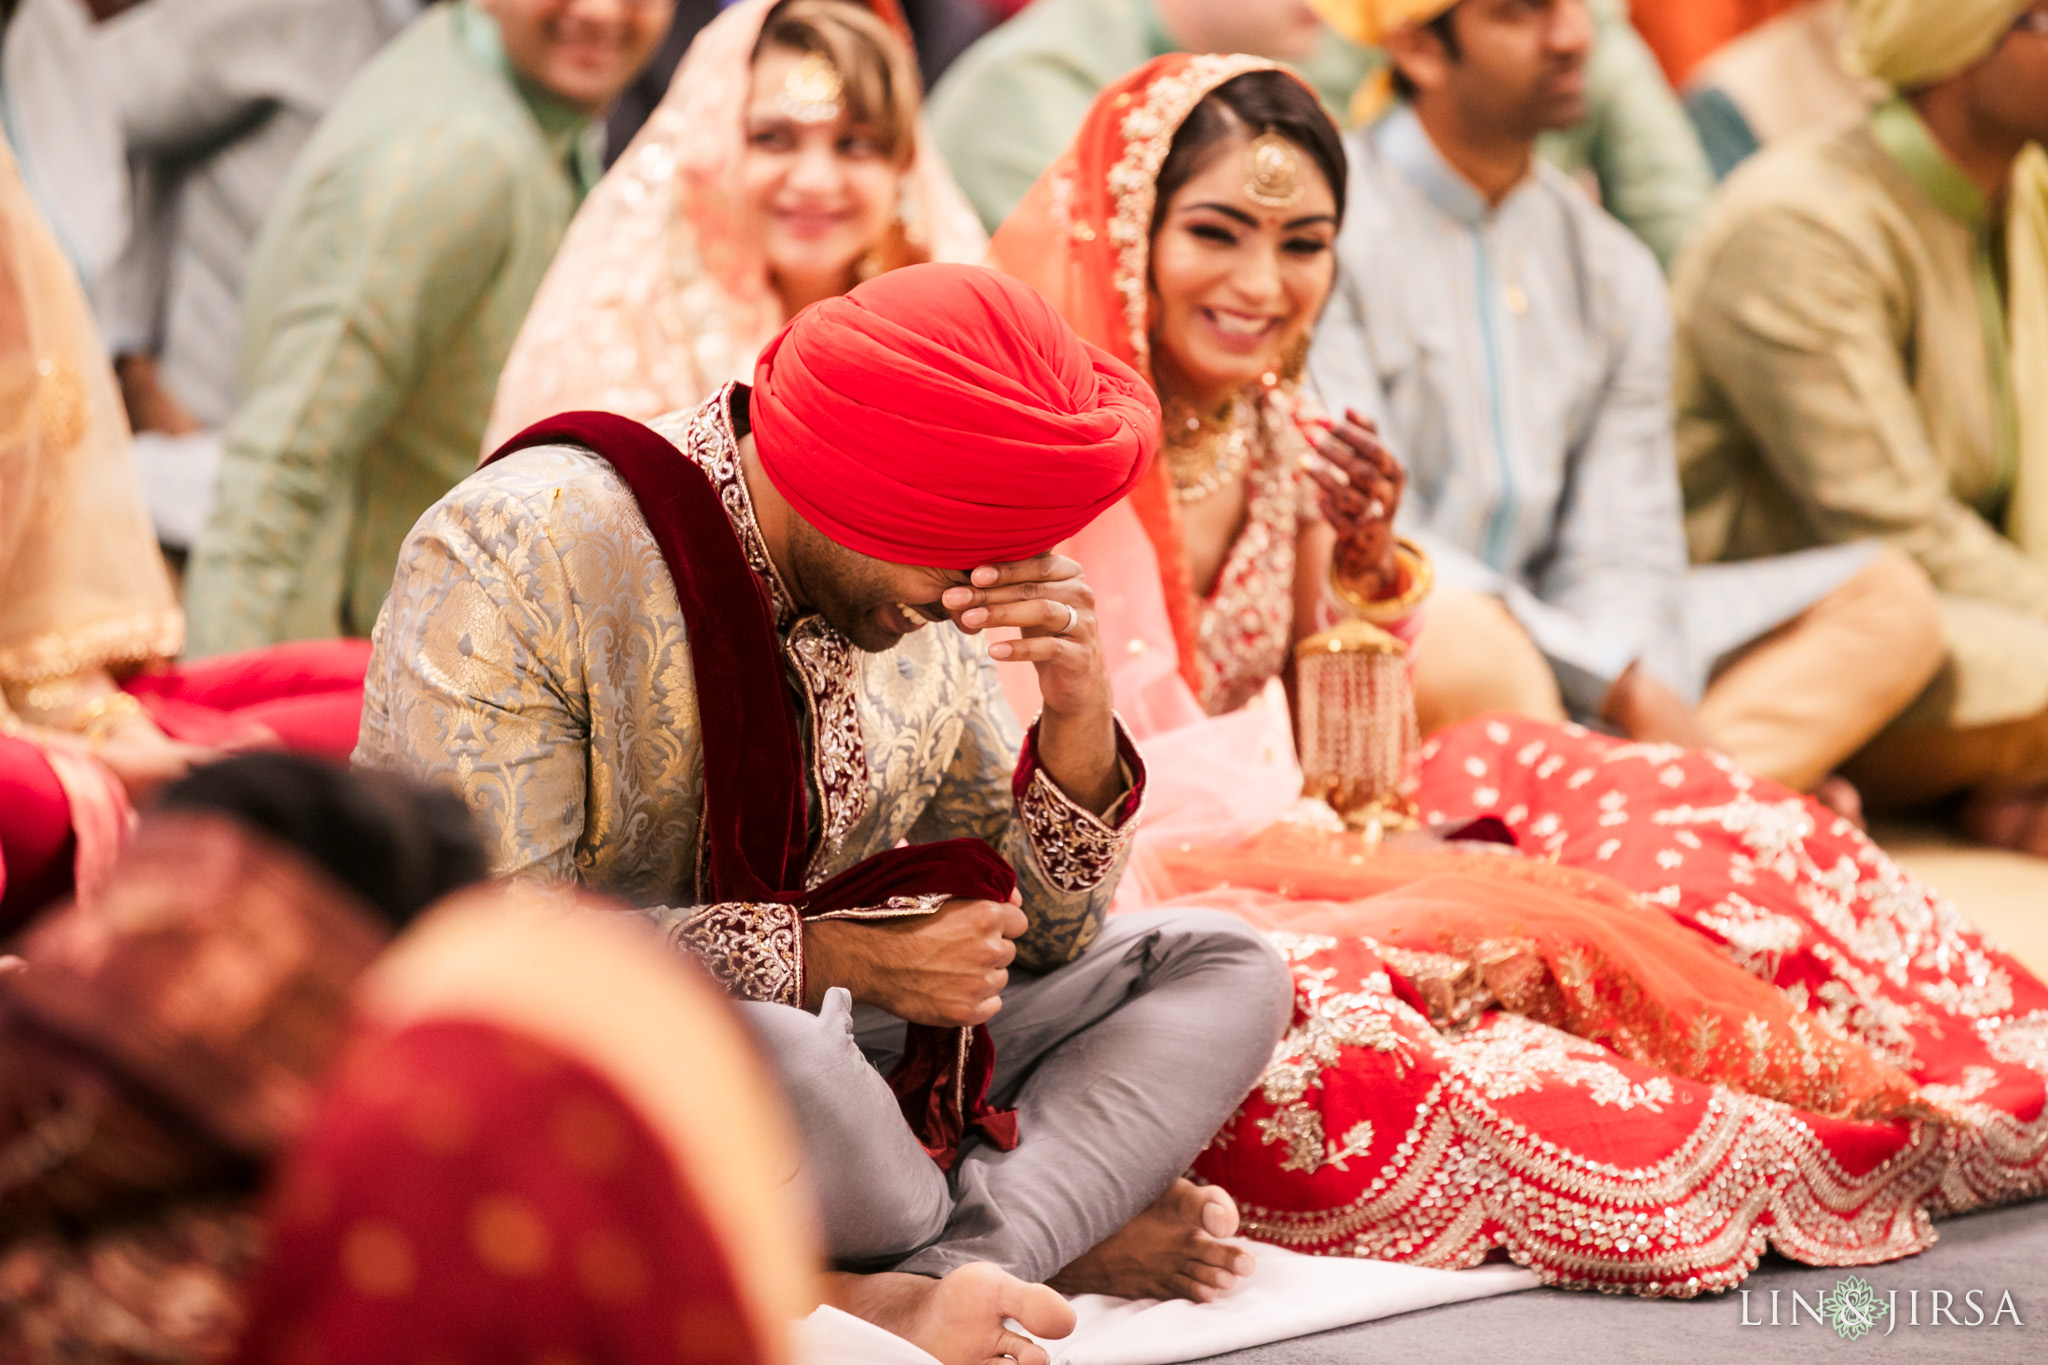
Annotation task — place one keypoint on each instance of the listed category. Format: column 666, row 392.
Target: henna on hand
column 1359, row 485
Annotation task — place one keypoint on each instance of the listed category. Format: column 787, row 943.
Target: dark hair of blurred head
column 397, row 845
column 1253, row 103
column 1446, row 30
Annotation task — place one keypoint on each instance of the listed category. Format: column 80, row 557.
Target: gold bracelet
column 106, row 714
column 1382, row 611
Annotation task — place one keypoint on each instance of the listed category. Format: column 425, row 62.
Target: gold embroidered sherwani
column 533, row 654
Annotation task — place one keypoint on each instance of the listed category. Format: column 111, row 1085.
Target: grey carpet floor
column 2004, row 1250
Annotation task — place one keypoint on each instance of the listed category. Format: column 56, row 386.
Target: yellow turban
column 1912, row 43
column 1368, row 22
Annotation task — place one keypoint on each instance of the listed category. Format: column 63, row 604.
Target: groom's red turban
column 945, row 415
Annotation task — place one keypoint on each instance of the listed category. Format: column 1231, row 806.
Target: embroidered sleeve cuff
column 756, row 951
column 1075, row 847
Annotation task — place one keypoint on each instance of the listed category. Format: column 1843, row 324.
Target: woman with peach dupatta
column 1753, row 1030
column 788, row 162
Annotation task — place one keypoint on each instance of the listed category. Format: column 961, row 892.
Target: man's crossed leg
column 1121, row 1066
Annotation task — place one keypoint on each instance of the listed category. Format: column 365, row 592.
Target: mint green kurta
column 1011, row 103
column 385, row 291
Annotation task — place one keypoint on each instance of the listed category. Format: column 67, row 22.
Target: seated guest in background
column 1014, row 99
column 1863, row 338
column 592, row 638
column 545, row 1140
column 1513, row 344
column 92, row 714
column 214, row 101
column 161, row 1044
column 384, row 295
column 787, row 164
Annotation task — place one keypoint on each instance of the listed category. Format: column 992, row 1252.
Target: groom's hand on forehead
column 1026, row 593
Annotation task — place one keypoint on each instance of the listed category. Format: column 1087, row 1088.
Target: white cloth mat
column 1289, row 1295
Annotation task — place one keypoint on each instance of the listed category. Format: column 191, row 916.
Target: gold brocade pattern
column 533, row 656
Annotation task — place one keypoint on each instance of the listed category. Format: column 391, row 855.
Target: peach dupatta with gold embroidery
column 658, row 295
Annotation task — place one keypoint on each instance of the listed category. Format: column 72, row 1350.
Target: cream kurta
column 1842, row 374
column 533, row 654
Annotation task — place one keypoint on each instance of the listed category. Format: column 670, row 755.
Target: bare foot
column 961, row 1319
column 2008, row 820
column 1839, row 795
column 1173, row 1250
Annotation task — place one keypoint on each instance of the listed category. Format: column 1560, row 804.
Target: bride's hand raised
column 1360, row 484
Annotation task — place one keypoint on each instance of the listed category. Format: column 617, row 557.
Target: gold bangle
column 106, row 714
column 1382, row 611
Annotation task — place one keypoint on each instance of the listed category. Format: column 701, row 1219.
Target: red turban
column 945, row 415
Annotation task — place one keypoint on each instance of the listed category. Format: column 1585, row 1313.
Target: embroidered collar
column 823, row 663
column 719, row 458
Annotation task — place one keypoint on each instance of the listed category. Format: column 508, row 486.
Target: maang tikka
column 1272, row 171
column 812, row 91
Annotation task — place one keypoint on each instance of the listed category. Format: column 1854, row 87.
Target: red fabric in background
column 308, row 693
column 36, row 847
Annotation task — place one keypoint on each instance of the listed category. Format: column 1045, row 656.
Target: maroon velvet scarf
column 753, row 835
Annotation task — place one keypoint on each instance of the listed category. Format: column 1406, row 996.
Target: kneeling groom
column 724, row 666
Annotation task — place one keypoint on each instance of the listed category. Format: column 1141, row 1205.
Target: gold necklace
column 1203, row 454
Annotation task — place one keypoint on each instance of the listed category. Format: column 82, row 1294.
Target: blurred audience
column 1863, row 333
column 788, row 163
column 92, row 714
column 1014, row 100
column 1513, row 343
column 161, row 1043
column 383, row 297
column 215, row 100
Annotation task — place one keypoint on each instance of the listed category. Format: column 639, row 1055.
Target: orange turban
column 945, row 415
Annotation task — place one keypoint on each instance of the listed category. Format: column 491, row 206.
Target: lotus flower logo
column 1852, row 1308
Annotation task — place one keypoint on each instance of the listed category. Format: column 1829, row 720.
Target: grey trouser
column 1121, row 1067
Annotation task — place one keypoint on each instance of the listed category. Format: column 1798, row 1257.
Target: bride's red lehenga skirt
column 1701, row 1016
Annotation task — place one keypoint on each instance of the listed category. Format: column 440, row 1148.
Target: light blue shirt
column 1517, row 358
